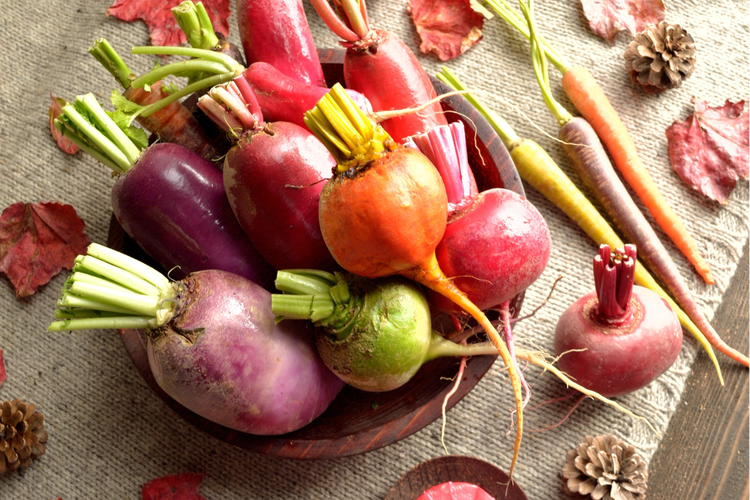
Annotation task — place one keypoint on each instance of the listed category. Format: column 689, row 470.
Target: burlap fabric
column 109, row 434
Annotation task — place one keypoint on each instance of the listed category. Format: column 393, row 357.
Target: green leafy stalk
column 108, row 289
column 195, row 23
column 111, row 60
column 95, row 131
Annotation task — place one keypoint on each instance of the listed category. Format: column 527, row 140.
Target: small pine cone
column 660, row 57
column 606, row 469
column 22, row 437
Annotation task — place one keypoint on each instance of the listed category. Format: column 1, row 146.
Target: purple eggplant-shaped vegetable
column 168, row 199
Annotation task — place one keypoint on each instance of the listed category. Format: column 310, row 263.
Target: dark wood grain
column 704, row 454
column 455, row 468
column 357, row 421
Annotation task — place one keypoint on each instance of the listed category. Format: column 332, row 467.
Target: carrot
column 173, row 123
column 590, row 100
column 540, row 171
column 385, row 210
column 584, row 148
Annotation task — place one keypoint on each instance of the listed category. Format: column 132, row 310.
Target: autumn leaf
column 175, row 487
column 37, row 240
column 709, row 150
column 446, row 27
column 162, row 27
column 608, row 17
column 3, row 376
column 55, row 110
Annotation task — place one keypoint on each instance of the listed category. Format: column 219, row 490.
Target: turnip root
column 620, row 338
column 373, row 334
column 211, row 340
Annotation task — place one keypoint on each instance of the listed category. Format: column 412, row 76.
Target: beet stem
column 195, row 23
column 112, row 62
column 332, row 20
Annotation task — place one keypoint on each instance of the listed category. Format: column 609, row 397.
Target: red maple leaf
column 37, row 240
column 54, row 111
column 175, row 487
column 447, row 27
column 608, row 17
column 162, row 27
column 709, row 150
column 3, row 376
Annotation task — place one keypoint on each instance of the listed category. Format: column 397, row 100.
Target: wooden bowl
column 357, row 422
column 455, row 468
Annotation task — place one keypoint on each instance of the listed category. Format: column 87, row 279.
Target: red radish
column 384, row 69
column 276, row 32
column 273, row 177
column 167, row 198
column 496, row 243
column 457, row 490
column 211, row 339
column 384, row 212
column 620, row 338
column 283, row 98
column 173, row 123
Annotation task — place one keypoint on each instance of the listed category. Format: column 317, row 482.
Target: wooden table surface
column 705, row 451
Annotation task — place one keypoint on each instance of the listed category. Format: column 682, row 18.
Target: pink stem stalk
column 219, row 115
column 332, row 20
column 235, row 105
column 249, row 97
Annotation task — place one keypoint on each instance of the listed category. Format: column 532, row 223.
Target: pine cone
column 606, row 469
column 21, row 435
column 660, row 57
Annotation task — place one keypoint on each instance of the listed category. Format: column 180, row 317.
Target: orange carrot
column 385, row 210
column 589, row 99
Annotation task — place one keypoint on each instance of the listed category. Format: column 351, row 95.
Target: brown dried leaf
column 175, row 487
column 710, row 149
column 447, row 27
column 608, row 17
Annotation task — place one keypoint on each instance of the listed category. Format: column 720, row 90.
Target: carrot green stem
column 195, row 23
column 112, row 62
column 108, row 289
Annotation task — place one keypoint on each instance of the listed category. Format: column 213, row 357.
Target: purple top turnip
column 621, row 337
column 211, row 339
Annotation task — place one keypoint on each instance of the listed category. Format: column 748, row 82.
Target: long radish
column 539, row 170
column 173, row 123
column 621, row 337
column 167, row 198
column 592, row 163
column 277, row 32
column 373, row 334
column 384, row 212
column 211, row 340
column 384, row 69
column 273, row 177
column 591, row 101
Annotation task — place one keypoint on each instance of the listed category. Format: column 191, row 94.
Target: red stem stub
column 614, row 273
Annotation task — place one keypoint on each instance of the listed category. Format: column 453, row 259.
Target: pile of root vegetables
column 273, row 203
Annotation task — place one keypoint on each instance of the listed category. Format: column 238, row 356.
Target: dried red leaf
column 55, row 110
column 447, row 27
column 3, row 375
column 608, row 17
column 709, row 150
column 175, row 487
column 162, row 27
column 37, row 240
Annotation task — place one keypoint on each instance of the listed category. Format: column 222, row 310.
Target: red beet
column 617, row 340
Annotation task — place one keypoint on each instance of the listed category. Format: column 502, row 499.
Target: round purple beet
column 223, row 357
column 173, row 204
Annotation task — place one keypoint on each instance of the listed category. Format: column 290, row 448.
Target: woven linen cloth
column 109, row 433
